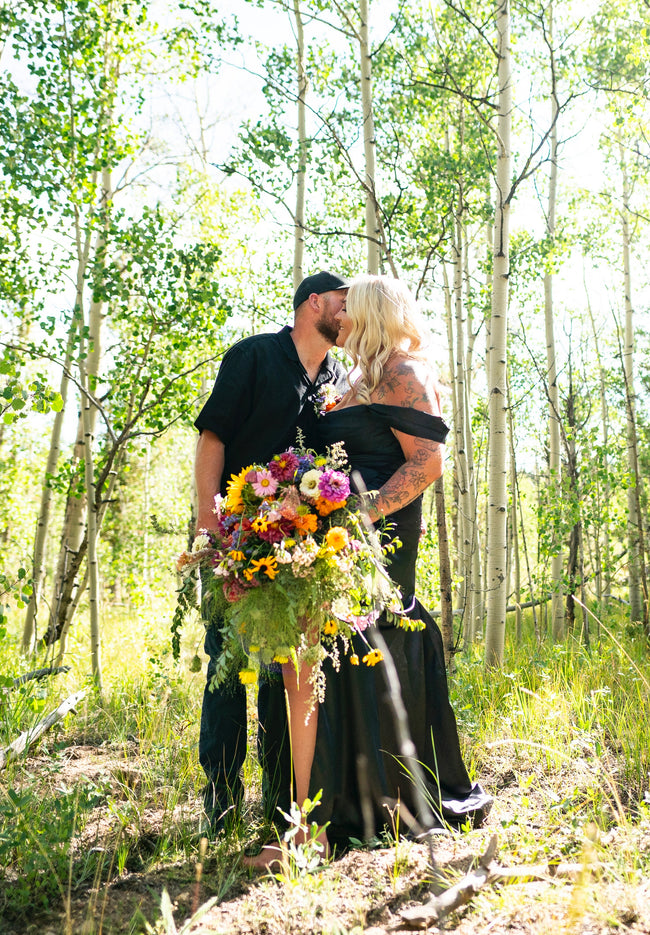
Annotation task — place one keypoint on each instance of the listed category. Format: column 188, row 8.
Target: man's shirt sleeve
column 230, row 400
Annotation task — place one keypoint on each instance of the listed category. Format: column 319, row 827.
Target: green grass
column 562, row 729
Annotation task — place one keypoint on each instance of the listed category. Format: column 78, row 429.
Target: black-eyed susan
column 330, row 627
column 267, row 564
column 260, row 524
column 354, row 659
column 236, row 555
column 373, row 657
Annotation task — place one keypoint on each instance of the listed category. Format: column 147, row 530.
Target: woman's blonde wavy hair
column 384, row 319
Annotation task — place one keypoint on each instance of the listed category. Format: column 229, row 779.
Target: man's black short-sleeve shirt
column 261, row 396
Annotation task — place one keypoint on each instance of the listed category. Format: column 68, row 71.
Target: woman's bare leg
column 303, row 725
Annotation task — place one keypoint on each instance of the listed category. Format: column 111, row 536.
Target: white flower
column 202, row 541
column 309, row 483
column 341, row 608
column 305, row 554
column 282, row 555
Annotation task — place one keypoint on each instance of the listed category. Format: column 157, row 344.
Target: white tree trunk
column 633, row 512
column 496, row 583
column 301, row 177
column 369, row 143
column 43, row 522
column 555, row 464
column 603, row 557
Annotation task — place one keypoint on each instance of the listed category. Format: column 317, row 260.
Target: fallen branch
column 437, row 908
column 29, row 737
column 39, row 674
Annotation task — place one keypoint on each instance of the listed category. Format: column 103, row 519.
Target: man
column 265, row 390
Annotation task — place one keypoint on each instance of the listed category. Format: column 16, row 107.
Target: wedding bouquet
column 290, row 568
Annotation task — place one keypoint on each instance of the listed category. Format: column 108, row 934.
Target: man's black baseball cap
column 318, row 283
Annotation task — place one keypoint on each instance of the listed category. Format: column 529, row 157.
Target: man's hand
column 208, row 468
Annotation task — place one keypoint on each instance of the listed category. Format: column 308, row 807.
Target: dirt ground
column 367, row 890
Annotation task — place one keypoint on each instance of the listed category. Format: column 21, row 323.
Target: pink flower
column 264, row 484
column 284, row 466
column 334, row 486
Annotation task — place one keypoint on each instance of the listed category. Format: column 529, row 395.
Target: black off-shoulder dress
column 356, row 763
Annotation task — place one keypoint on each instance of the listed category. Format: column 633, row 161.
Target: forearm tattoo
column 412, row 478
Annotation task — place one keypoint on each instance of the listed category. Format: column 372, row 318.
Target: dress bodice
column 371, row 445
column 374, row 451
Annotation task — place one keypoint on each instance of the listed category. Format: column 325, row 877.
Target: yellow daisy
column 247, row 676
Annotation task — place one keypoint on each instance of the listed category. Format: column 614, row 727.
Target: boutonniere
column 326, row 398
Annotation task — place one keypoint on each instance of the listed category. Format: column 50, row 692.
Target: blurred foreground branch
column 29, row 737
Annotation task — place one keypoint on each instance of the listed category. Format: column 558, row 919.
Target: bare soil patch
column 538, row 816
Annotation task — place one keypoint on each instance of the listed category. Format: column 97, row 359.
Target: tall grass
column 566, row 725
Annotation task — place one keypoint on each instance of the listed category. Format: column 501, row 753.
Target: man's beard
column 328, row 326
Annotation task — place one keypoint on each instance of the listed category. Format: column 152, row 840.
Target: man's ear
column 314, row 302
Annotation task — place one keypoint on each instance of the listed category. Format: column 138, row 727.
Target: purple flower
column 334, row 486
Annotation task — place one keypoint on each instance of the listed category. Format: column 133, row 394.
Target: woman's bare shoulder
column 410, row 382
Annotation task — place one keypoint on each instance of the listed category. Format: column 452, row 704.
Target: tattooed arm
column 409, row 383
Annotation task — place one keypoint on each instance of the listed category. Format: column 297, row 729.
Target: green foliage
column 19, row 397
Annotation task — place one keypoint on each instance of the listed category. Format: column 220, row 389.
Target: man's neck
column 312, row 348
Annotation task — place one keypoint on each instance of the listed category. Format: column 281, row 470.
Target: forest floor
column 100, row 821
column 536, row 817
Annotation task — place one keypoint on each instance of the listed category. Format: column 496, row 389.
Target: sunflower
column 234, row 488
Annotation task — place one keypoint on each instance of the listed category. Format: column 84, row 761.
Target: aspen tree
column 301, row 173
column 496, row 579
column 369, row 142
column 555, row 464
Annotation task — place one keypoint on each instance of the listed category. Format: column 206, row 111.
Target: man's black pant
column 222, row 740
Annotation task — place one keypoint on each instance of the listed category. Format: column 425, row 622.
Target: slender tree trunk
column 497, row 480
column 301, row 177
column 460, row 425
column 603, row 557
column 42, row 526
column 635, row 557
column 476, row 596
column 555, row 464
column 514, row 496
column 74, row 544
column 573, row 569
column 446, row 596
column 369, row 143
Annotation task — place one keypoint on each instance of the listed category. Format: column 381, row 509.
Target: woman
column 390, row 423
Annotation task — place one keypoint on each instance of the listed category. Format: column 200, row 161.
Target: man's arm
column 208, row 468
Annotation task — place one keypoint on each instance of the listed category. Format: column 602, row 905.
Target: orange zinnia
column 325, row 507
column 306, row 523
